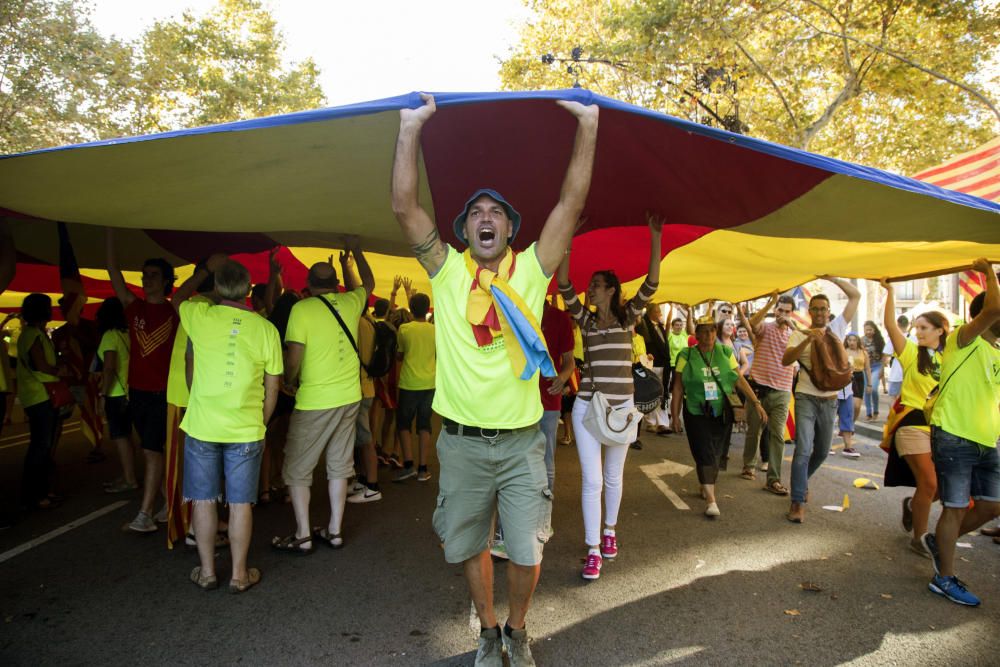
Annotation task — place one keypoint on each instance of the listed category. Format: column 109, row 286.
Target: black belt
column 454, row 428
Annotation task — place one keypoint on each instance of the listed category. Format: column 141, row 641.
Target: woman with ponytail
column 906, row 430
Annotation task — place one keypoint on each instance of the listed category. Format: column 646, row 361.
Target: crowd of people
column 240, row 403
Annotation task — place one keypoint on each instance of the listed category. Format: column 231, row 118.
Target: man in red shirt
column 152, row 324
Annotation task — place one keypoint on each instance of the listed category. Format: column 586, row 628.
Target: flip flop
column 335, row 540
column 253, row 578
column 293, row 545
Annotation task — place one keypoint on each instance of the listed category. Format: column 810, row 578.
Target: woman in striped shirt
column 607, row 343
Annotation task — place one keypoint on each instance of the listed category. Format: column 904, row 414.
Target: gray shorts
column 479, row 477
column 313, row 433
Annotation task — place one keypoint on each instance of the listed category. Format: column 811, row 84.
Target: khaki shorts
column 912, row 440
column 312, row 432
column 479, row 477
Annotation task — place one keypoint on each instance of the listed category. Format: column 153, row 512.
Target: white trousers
column 595, row 476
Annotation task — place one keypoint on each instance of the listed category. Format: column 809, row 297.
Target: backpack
column 829, row 368
column 383, row 352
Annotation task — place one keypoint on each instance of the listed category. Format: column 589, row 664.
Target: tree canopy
column 61, row 81
column 890, row 83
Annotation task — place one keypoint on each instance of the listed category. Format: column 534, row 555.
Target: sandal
column 253, row 578
column 335, row 540
column 748, row 473
column 777, row 488
column 293, row 545
column 205, row 583
column 120, row 487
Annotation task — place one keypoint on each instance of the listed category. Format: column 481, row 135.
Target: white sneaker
column 851, row 453
column 142, row 523
column 365, row 496
column 712, row 510
column 357, row 487
column 161, row 516
column 499, row 550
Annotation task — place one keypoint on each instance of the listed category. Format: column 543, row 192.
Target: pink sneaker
column 592, row 570
column 609, row 545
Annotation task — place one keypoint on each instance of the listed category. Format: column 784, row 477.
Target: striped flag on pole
column 976, row 173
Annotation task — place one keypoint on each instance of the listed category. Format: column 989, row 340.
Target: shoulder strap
column 947, row 379
column 343, row 326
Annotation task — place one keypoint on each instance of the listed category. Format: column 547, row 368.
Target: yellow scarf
column 495, row 309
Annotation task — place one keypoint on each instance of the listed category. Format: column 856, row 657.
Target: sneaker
column 356, row 488
column 395, row 461
column 712, row 510
column 609, row 544
column 490, row 652
column 366, row 496
column 763, row 467
column 499, row 550
column 592, row 568
column 518, row 651
column 851, row 453
column 907, row 514
column 142, row 523
column 424, row 476
column 930, row 546
column 120, row 487
column 953, row 589
column 636, row 445
column 161, row 516
column 405, row 474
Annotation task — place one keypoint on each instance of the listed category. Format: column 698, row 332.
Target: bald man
column 322, row 359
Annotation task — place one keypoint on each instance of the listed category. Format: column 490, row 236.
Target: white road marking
column 656, row 471
column 473, row 618
column 26, row 438
column 17, row 551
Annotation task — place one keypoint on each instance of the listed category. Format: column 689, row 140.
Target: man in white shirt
column 815, row 409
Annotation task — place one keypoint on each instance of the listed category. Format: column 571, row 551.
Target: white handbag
column 612, row 425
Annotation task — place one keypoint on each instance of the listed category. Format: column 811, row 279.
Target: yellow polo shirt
column 416, row 344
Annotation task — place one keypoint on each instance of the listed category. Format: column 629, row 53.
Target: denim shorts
column 965, row 469
column 207, row 463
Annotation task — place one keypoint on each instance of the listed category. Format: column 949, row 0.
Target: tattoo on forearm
column 428, row 249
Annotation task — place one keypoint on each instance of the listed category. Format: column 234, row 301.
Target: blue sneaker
column 953, row 589
column 930, row 546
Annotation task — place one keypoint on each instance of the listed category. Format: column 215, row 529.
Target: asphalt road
column 685, row 590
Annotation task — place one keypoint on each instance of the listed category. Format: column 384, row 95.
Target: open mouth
column 487, row 235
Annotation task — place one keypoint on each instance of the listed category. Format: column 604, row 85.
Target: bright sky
column 368, row 49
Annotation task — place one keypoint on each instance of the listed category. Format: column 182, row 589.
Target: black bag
column 384, row 352
column 648, row 389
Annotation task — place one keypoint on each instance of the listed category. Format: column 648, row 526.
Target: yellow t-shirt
column 916, row 385
column 366, row 346
column 30, row 390
column 416, row 344
column 638, row 348
column 967, row 404
column 117, row 342
column 476, row 386
column 177, row 387
column 330, row 375
column 233, row 349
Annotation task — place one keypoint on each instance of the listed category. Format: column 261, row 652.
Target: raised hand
column 407, row 286
column 886, row 285
column 583, row 113
column 982, row 265
column 397, row 281
column 272, row 260
column 421, row 114
column 655, row 223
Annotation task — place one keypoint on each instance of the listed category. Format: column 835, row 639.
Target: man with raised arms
column 490, row 449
